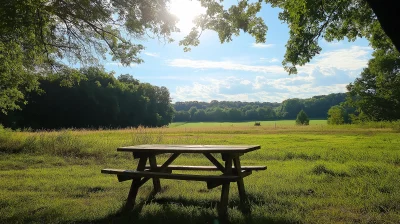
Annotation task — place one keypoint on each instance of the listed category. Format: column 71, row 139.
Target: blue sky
column 242, row 70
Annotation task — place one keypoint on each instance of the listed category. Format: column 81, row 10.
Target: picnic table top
column 189, row 148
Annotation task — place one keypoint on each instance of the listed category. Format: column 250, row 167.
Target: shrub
column 302, row 118
column 337, row 115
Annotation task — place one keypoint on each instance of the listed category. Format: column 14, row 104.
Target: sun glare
column 186, row 11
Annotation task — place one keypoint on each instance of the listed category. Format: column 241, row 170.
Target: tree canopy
column 376, row 93
column 92, row 98
column 311, row 20
column 316, row 107
column 37, row 35
column 337, row 115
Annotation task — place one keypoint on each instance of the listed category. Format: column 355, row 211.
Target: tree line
column 91, row 98
column 315, row 107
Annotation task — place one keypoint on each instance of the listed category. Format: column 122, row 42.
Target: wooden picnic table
column 232, row 171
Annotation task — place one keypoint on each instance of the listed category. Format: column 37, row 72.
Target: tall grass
column 316, row 174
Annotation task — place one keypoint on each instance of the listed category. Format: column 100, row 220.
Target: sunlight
column 186, row 11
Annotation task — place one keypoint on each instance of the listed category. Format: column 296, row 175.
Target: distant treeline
column 315, row 107
column 92, row 98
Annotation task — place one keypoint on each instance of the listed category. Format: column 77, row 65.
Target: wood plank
column 193, row 177
column 130, row 202
column 240, row 183
column 189, row 148
column 156, row 181
column 170, row 168
column 123, row 178
column 162, row 168
column 214, row 161
column 214, row 184
column 207, row 168
column 223, row 207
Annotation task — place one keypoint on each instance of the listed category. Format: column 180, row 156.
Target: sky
column 242, row 70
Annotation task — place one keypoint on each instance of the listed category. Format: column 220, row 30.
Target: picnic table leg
column 156, row 181
column 240, row 183
column 223, row 209
column 136, row 183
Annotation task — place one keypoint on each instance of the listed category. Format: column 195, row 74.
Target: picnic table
column 232, row 170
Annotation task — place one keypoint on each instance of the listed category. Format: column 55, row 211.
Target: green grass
column 316, row 174
column 278, row 123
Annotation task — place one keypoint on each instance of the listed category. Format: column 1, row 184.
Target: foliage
column 302, row 118
column 92, row 98
column 36, row 35
column 308, row 21
column 15, row 80
column 39, row 34
column 311, row 20
column 337, row 115
column 315, row 107
column 376, row 94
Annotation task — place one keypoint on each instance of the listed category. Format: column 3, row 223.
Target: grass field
column 316, row 174
column 280, row 123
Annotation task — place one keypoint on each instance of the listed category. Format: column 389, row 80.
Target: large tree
column 36, row 34
column 376, row 93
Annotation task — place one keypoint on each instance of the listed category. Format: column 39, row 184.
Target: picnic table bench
column 232, row 171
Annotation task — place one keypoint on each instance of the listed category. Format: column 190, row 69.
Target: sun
column 186, row 11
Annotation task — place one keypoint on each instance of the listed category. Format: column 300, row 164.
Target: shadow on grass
column 183, row 210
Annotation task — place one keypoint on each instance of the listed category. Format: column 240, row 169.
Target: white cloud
column 245, row 82
column 156, row 55
column 235, row 97
column 269, row 60
column 259, row 89
column 329, row 72
column 226, row 65
column 260, row 45
column 196, row 91
column 350, row 59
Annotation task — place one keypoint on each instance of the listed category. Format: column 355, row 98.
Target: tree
column 200, row 115
column 192, row 112
column 337, row 115
column 92, row 97
column 126, row 78
column 234, row 114
column 251, row 114
column 302, row 118
column 376, row 94
column 36, row 35
column 290, row 107
column 315, row 107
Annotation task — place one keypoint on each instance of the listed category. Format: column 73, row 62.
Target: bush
column 302, row 118
column 337, row 115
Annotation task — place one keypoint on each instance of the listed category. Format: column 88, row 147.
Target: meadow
column 316, row 174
